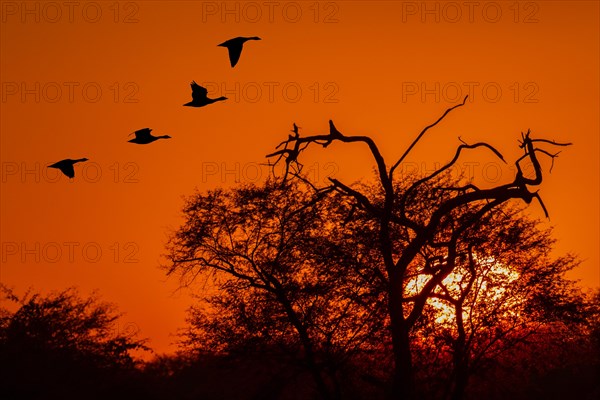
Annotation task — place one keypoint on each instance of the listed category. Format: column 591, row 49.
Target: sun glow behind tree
column 489, row 286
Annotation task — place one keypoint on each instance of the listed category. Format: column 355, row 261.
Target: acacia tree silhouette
column 283, row 282
column 441, row 227
column 504, row 294
column 293, row 278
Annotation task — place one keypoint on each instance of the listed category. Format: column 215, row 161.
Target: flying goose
column 200, row 98
column 66, row 166
column 235, row 46
column 143, row 136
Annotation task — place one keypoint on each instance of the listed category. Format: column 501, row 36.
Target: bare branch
column 460, row 148
column 463, row 189
column 301, row 143
column 537, row 196
column 360, row 198
column 421, row 135
column 552, row 142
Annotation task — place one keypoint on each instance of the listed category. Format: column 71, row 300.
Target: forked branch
column 421, row 135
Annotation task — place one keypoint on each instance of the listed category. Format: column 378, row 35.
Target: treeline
column 62, row 346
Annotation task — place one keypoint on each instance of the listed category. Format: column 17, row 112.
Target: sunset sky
column 77, row 79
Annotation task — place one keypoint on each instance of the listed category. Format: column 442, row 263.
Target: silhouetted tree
column 63, row 346
column 432, row 225
column 278, row 279
column 339, row 275
column 506, row 293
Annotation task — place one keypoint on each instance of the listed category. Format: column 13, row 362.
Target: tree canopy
column 63, row 346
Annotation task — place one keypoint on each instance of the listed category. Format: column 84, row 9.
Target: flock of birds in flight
column 199, row 99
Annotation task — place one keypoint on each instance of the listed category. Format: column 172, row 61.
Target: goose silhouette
column 66, row 166
column 143, row 136
column 235, row 46
column 200, row 98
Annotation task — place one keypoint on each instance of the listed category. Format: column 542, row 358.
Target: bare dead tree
column 443, row 220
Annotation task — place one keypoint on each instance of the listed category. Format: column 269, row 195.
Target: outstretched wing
column 198, row 92
column 68, row 170
column 235, row 51
column 142, row 133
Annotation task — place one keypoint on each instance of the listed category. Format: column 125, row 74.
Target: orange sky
column 77, row 79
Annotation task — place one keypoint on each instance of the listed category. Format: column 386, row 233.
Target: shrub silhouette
column 63, row 346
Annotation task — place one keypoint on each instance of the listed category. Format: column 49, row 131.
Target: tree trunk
column 306, row 342
column 461, row 367
column 402, row 381
column 460, row 381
